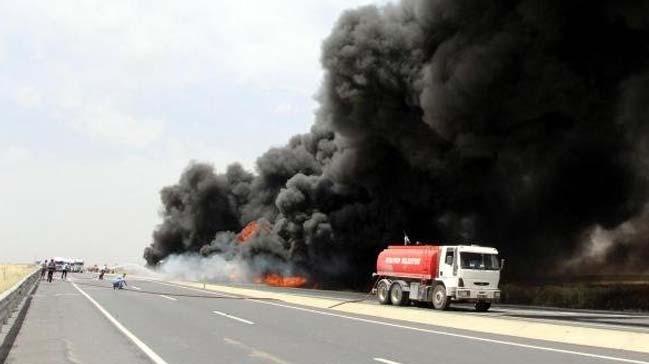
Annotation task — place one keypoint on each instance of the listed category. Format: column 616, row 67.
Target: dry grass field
column 10, row 274
column 607, row 296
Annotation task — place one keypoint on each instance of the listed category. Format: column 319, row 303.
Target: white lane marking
column 468, row 337
column 196, row 289
column 386, row 361
column 167, row 297
column 568, row 313
column 233, row 296
column 438, row 332
column 136, row 288
column 234, row 317
column 255, row 353
column 153, row 280
column 139, row 343
column 578, row 323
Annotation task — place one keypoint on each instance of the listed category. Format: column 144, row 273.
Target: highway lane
column 61, row 327
column 400, row 338
column 212, row 330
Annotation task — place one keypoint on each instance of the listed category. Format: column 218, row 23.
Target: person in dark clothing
column 43, row 268
column 103, row 271
column 51, row 267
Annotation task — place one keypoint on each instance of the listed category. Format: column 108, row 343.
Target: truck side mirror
column 502, row 263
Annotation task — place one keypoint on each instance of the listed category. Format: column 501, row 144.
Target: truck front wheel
column 397, row 295
column 383, row 293
column 440, row 300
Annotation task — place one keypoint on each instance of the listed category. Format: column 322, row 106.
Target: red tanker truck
column 438, row 275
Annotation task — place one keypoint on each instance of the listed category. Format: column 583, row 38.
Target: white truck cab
column 470, row 273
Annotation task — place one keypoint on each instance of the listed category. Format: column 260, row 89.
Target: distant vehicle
column 77, row 265
column 438, row 275
column 59, row 262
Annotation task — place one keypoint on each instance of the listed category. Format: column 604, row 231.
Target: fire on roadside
column 277, row 280
column 261, row 227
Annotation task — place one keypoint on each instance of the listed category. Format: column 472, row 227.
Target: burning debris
column 522, row 124
column 281, row 281
column 271, row 276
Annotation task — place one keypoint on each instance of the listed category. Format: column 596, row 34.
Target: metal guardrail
column 10, row 298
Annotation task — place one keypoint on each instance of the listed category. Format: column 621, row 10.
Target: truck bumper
column 476, row 295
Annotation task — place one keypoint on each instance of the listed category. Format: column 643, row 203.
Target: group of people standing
column 49, row 267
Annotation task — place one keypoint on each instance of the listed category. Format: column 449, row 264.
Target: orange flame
column 253, row 229
column 260, row 228
column 280, row 281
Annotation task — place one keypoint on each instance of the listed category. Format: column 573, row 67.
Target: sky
column 102, row 103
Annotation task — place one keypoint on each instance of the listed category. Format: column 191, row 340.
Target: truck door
column 447, row 260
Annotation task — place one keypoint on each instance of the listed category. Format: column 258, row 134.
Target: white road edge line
column 620, row 327
column 139, row 343
column 234, row 317
column 444, row 333
column 213, row 293
column 468, row 337
column 386, row 361
column 167, row 297
column 137, row 288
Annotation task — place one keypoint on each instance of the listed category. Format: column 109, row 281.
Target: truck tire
column 440, row 300
column 397, row 295
column 482, row 306
column 383, row 292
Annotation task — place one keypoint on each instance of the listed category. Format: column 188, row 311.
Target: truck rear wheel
column 383, row 293
column 482, row 306
column 397, row 295
column 440, row 300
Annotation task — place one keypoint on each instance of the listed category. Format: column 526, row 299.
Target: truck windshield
column 479, row 261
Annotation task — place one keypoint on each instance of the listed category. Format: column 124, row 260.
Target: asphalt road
column 163, row 323
column 613, row 320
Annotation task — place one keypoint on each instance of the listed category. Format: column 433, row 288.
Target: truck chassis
column 403, row 291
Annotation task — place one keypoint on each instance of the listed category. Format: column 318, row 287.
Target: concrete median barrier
column 13, row 307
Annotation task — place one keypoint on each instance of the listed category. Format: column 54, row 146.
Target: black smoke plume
column 518, row 124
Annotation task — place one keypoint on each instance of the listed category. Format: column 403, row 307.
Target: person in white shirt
column 64, row 270
column 120, row 282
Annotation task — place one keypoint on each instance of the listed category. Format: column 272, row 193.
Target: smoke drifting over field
column 518, row 124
